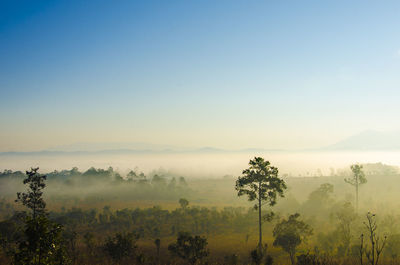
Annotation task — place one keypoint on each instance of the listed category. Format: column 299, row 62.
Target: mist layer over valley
column 199, row 164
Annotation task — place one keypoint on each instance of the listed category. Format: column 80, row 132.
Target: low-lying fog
column 203, row 164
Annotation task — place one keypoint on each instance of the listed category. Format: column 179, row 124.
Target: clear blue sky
column 229, row 74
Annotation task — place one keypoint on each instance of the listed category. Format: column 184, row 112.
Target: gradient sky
column 228, row 74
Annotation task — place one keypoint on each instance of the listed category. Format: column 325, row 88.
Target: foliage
column 314, row 259
column 357, row 179
column 121, row 246
column 33, row 197
column 260, row 182
column 322, row 194
column 43, row 242
column 289, row 234
column 319, row 200
column 88, row 239
column 346, row 217
column 260, row 257
column 190, row 248
column 358, row 175
column 184, row 203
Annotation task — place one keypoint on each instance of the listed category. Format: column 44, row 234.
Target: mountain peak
column 369, row 140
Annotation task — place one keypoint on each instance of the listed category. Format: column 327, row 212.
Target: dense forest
column 104, row 217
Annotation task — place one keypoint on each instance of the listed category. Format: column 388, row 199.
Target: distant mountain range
column 128, row 148
column 365, row 141
column 140, row 148
column 369, row 141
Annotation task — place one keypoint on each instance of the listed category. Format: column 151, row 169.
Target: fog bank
column 201, row 164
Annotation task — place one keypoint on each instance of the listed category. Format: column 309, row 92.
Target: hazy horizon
column 202, row 164
column 368, row 140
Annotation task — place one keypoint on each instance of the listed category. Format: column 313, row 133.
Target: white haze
column 201, row 165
